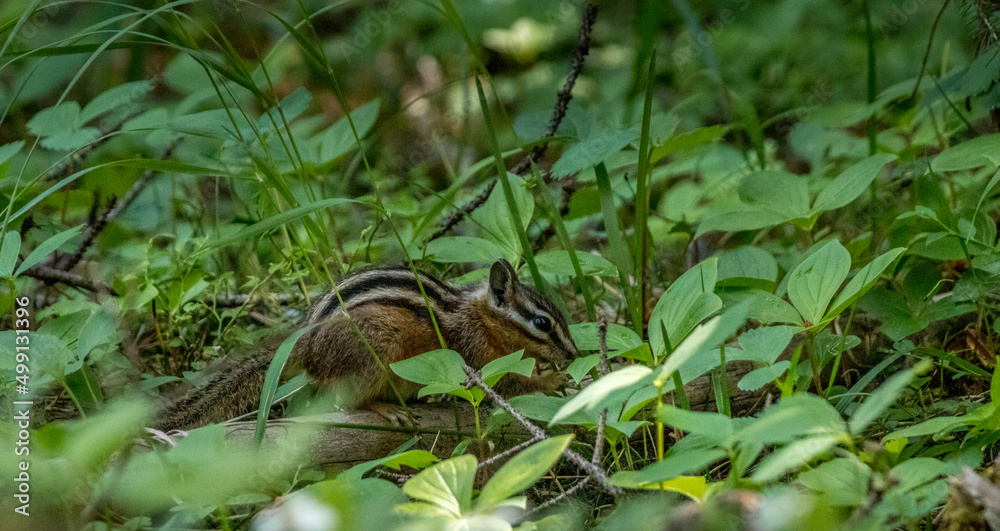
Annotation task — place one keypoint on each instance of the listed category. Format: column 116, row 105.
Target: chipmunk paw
column 396, row 415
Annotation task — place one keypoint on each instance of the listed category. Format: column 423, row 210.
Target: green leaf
column 741, row 219
column 64, row 117
column 591, row 151
column 716, row 427
column 778, row 191
column 748, row 262
column 494, row 370
column 931, row 426
column 862, row 282
column 272, row 378
column 339, row 139
column 522, row 471
column 851, row 183
column 765, row 344
column 676, row 465
column 843, row 482
column 47, row 247
column 814, row 282
column 446, row 485
column 758, row 378
column 793, row 417
column 249, row 233
column 418, row 459
column 793, row 456
column 291, row 106
column 579, row 367
column 980, row 151
column 704, row 337
column 7, row 151
column 124, row 94
column 8, row 253
column 558, row 263
column 98, row 330
column 883, row 397
column 765, row 307
column 686, row 142
column 615, row 386
column 439, row 370
column 83, row 386
column 497, row 222
column 544, row 409
column 464, row 249
column 687, row 302
column 619, row 338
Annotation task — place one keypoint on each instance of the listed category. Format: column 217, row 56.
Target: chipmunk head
column 535, row 324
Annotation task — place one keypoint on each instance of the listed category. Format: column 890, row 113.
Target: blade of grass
column 619, row 249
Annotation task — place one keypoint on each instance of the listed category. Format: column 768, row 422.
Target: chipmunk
column 482, row 322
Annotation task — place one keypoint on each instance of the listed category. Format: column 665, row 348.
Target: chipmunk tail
column 230, row 392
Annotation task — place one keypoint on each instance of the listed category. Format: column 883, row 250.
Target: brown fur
column 473, row 321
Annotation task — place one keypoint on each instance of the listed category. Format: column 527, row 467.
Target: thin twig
column 927, row 53
column 558, row 113
column 602, row 368
column 509, row 451
column 565, row 494
column 593, row 470
column 51, row 275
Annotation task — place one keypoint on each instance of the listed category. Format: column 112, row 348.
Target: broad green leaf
column 251, row 232
column 440, row 370
column 758, row 378
column 765, row 344
column 716, row 427
column 291, row 106
column 793, row 417
column 558, row 263
column 688, row 141
column 793, row 456
column 851, row 183
column 7, row 151
column 704, row 337
column 494, row 370
column 671, row 467
column 338, row 139
column 418, row 459
column 115, row 97
column 591, row 151
column 687, row 302
column 619, row 338
column 610, row 388
column 748, row 262
column 882, row 398
column 544, row 409
column 579, row 367
column 741, row 219
column 47, row 247
column 765, row 307
column 522, row 471
column 447, row 485
column 464, row 249
column 83, row 386
column 495, row 217
column 64, row 117
column 862, row 282
column 8, row 253
column 98, row 330
column 778, row 191
column 980, row 151
column 814, row 282
column 843, row 482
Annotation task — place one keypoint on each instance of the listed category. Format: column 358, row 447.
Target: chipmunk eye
column 542, row 323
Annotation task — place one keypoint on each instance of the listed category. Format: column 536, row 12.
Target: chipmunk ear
column 503, row 280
